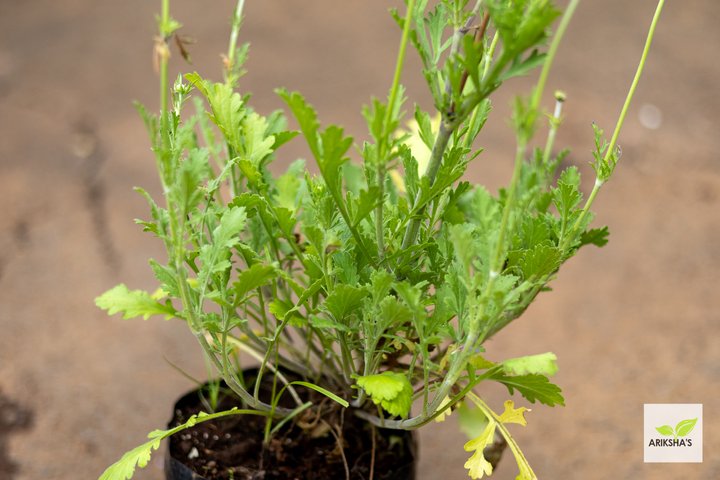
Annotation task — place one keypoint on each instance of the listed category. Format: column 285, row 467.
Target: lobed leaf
column 133, row 303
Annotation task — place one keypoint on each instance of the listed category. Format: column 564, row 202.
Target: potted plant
column 363, row 293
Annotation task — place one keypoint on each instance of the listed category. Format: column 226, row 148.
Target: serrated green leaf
column 215, row 257
column 124, row 468
column 595, row 236
column 256, row 143
column 539, row 261
column 135, row 303
column 365, row 204
column 228, row 107
column 344, row 300
column 192, row 172
column 306, row 116
column 254, row 277
column 391, row 390
column 533, row 388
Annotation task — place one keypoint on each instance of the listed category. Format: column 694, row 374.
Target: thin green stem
column 547, row 65
column 385, row 140
column 163, row 53
column 623, row 113
column 636, row 80
column 436, row 156
column 496, row 264
column 554, row 124
column 236, row 21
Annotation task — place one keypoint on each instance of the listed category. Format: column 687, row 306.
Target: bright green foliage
column 133, row 303
column 604, row 162
column 391, row 390
column 378, row 281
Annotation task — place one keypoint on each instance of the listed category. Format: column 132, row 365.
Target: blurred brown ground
column 635, row 322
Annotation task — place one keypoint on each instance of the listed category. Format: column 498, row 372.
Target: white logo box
column 669, row 448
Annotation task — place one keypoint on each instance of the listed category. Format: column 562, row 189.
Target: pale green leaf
column 542, row 364
column 132, row 303
column 391, row 390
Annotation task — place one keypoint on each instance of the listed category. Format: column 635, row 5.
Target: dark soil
column 233, row 448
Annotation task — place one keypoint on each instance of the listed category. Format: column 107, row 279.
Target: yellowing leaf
column 477, row 464
column 514, row 415
column 446, row 413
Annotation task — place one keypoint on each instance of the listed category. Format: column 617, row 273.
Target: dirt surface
column 232, row 447
column 635, row 322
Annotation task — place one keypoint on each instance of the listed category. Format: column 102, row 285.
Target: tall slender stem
column 232, row 43
column 164, row 54
column 385, row 140
column 547, row 65
column 623, row 113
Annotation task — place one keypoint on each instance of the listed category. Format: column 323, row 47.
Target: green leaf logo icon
column 683, row 428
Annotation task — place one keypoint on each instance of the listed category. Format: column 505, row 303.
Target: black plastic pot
column 177, row 469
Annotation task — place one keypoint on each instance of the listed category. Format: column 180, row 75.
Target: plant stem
column 433, row 166
column 636, row 80
column 385, row 140
column 554, row 124
column 232, row 44
column 164, row 53
column 623, row 113
column 547, row 65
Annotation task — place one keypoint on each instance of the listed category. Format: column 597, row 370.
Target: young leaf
column 665, row 430
column 132, row 303
column 391, row 390
column 541, row 364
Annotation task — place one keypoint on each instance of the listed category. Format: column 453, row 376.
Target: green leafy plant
column 377, row 282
